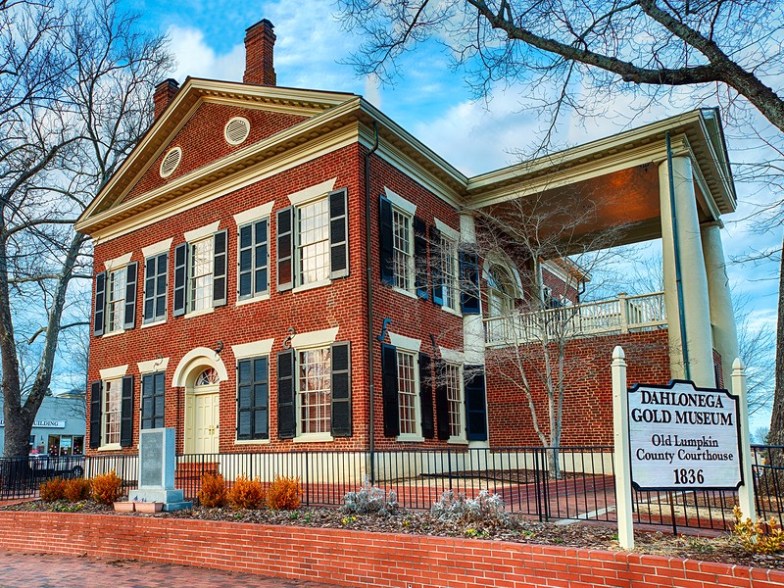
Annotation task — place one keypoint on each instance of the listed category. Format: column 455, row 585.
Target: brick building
column 279, row 268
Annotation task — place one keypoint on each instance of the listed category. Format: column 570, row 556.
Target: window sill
column 251, row 442
column 257, row 298
column 113, row 333
column 449, row 310
column 410, row 438
column 457, row 441
column 201, row 312
column 313, row 438
column 405, row 292
column 110, row 447
column 311, row 286
column 153, row 324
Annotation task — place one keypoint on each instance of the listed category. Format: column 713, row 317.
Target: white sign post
column 684, row 438
column 623, row 490
column 746, row 498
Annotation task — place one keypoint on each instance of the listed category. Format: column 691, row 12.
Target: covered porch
column 669, row 180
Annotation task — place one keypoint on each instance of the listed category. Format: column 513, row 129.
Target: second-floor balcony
column 624, row 314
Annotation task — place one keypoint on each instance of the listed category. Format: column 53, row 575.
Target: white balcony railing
column 625, row 314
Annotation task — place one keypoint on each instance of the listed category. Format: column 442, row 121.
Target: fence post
column 623, row 490
column 746, row 498
column 623, row 310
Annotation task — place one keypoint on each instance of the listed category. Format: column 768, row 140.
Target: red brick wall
column 341, row 304
column 202, row 141
column 357, row 558
column 587, row 416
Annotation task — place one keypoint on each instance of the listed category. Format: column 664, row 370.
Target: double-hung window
column 111, row 411
column 115, row 297
column 312, row 240
column 449, row 273
column 453, row 383
column 403, row 245
column 156, row 279
column 200, row 271
column 253, row 262
column 403, row 250
column 314, row 393
column 408, row 393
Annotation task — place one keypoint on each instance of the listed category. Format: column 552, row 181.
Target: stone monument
column 156, row 470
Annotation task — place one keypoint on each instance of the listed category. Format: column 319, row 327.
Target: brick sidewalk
column 23, row 570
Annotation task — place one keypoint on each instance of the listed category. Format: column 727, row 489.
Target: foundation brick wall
column 587, row 417
column 357, row 558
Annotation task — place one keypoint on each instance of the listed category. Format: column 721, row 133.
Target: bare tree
column 726, row 52
column 76, row 89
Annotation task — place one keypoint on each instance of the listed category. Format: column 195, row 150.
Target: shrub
column 213, row 491
column 76, row 489
column 284, row 494
column 52, row 490
column 485, row 508
column 757, row 537
column 370, row 499
column 246, row 493
column 106, row 488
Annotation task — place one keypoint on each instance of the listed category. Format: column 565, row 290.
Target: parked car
column 66, row 465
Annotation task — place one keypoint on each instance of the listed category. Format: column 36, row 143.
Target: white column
column 473, row 326
column 725, row 335
column 694, row 282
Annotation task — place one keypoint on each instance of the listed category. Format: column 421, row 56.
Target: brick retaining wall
column 356, row 558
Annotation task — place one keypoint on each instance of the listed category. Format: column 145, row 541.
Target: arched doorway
column 202, row 411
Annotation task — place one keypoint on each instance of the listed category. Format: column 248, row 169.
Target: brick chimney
column 259, row 45
column 164, row 94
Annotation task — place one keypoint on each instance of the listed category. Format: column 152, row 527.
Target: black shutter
column 426, row 395
column 287, row 417
column 285, row 252
column 386, row 234
column 219, row 269
column 338, row 234
column 389, row 390
column 148, row 402
column 99, row 312
column 150, row 275
column 245, row 262
column 341, row 390
column 252, row 398
column 180, row 278
column 126, row 412
column 244, row 399
column 436, row 266
column 469, row 281
column 130, row 295
column 476, row 407
column 442, row 403
column 159, row 400
column 95, row 414
column 260, row 257
column 420, row 257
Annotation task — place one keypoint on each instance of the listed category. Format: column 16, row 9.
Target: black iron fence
column 574, row 483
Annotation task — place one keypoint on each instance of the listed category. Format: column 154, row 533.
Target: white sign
column 44, row 424
column 684, row 438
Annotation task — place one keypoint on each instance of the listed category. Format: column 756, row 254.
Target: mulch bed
column 722, row 548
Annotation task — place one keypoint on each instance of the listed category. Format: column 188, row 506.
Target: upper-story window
column 401, row 233
column 200, row 271
column 500, row 292
column 252, row 277
column 403, row 250
column 156, row 278
column 115, row 297
column 449, row 269
column 312, row 239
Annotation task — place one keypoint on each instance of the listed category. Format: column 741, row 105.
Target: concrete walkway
column 22, row 570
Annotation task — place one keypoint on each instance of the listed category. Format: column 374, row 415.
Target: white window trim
column 113, row 373
column 313, row 339
column 397, row 200
column 253, row 214
column 312, row 437
column 226, row 127
column 452, row 356
column 411, row 254
column 462, row 438
column 112, row 265
column 200, row 312
column 172, row 170
column 311, row 193
column 202, row 232
column 122, row 265
column 312, row 285
column 257, row 298
column 251, row 442
column 296, row 260
column 118, row 379
column 157, row 248
column 263, row 347
column 445, row 229
column 153, row 365
column 455, row 238
column 405, row 343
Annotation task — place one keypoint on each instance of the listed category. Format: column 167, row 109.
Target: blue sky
column 433, row 102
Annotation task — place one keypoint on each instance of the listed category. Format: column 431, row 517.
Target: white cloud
column 195, row 58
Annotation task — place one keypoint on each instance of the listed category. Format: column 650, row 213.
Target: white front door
column 206, row 423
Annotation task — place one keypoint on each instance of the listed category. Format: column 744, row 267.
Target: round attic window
column 170, row 162
column 237, row 130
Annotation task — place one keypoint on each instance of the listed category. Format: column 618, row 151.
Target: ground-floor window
column 315, row 390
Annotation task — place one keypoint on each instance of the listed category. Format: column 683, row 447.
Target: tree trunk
column 776, row 436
